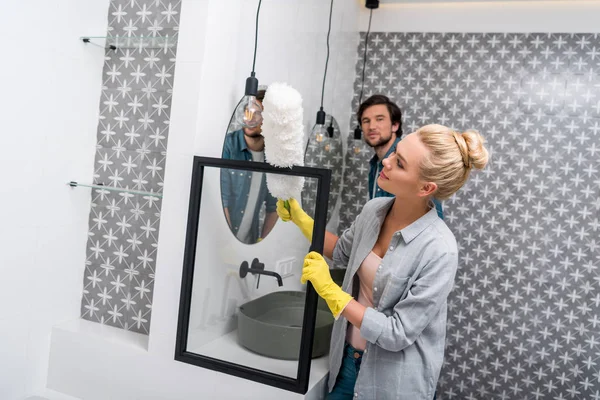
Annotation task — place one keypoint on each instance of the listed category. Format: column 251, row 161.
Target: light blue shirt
column 236, row 184
column 406, row 328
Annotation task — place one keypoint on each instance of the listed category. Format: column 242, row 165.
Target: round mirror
column 249, row 208
column 325, row 151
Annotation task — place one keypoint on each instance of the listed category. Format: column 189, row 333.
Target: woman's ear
column 428, row 188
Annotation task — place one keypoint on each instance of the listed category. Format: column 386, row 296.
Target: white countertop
column 226, row 348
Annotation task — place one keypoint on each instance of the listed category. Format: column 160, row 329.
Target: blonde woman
column 401, row 259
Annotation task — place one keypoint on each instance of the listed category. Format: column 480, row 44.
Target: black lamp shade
column 372, row 4
column 251, row 86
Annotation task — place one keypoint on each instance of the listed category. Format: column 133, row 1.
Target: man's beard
column 382, row 141
column 255, row 135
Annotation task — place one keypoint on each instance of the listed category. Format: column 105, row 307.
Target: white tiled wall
column 50, row 90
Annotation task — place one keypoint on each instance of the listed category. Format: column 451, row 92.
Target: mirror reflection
column 247, row 302
column 249, row 208
column 326, row 152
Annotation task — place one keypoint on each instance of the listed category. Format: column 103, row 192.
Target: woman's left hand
column 316, row 271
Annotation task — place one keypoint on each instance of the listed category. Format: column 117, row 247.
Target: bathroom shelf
column 114, row 189
column 131, row 42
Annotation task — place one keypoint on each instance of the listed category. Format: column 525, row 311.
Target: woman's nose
column 386, row 163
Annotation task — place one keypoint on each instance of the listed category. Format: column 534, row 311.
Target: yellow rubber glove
column 316, row 271
column 297, row 215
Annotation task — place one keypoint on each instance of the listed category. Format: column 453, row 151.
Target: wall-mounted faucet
column 258, row 268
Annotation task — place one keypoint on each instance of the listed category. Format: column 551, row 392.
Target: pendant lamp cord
column 327, row 59
column 256, row 36
column 365, row 59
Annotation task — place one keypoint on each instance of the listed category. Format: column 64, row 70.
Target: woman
column 401, row 260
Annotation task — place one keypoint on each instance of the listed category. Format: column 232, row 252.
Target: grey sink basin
column 272, row 325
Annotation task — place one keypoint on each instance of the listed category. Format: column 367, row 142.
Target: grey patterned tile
column 131, row 148
column 524, row 307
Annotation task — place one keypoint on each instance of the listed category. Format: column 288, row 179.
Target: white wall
column 571, row 16
column 49, row 107
column 214, row 58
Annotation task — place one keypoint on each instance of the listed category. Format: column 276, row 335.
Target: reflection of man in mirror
column 381, row 122
column 244, row 192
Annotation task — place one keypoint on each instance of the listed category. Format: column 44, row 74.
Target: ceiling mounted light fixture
column 319, row 132
column 251, row 116
column 370, row 4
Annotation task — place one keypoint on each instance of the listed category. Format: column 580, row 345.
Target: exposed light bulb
column 251, row 117
column 319, row 131
column 319, row 134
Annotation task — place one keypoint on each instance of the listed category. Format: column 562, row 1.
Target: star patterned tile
column 131, row 151
column 524, row 317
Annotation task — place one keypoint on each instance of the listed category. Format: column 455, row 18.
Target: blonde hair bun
column 452, row 156
column 473, row 150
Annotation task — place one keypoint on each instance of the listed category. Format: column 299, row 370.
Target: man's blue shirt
column 235, row 185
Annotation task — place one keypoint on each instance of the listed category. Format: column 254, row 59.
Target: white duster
column 283, row 131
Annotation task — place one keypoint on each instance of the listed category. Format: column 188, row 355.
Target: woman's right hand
column 297, row 215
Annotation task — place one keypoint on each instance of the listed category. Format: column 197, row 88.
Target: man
column 381, row 123
column 244, row 192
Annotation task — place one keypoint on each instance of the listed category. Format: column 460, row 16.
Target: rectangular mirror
column 243, row 310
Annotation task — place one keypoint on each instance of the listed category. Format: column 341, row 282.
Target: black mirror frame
column 300, row 384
